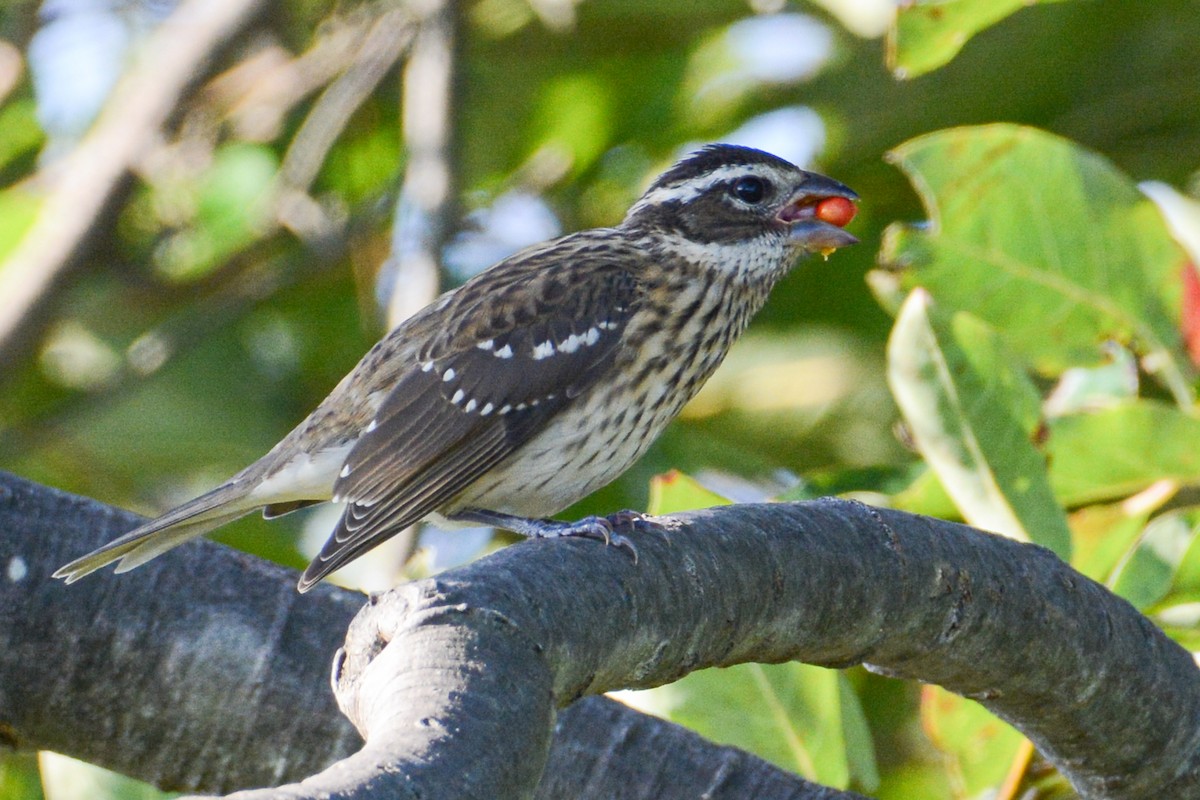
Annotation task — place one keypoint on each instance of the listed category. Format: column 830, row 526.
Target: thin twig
column 426, row 201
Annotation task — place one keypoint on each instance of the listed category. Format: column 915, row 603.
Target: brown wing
column 515, row 346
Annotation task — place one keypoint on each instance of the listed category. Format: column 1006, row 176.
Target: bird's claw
column 611, row 529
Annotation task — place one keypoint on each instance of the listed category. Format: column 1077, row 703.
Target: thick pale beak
column 808, row 231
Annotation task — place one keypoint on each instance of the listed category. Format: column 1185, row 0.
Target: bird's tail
column 194, row 518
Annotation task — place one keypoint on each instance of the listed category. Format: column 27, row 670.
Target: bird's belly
column 583, row 449
column 556, row 468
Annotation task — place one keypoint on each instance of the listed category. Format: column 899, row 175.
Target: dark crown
column 712, row 156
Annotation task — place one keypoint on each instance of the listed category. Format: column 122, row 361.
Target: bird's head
column 744, row 211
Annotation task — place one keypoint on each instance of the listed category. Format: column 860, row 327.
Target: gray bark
column 205, row 671
column 454, row 680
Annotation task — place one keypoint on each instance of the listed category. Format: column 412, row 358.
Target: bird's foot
column 611, row 530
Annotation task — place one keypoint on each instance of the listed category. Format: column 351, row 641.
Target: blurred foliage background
column 211, row 208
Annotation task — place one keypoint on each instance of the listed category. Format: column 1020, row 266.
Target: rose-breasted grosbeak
column 539, row 380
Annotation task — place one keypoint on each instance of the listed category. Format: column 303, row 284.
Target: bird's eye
column 750, row 190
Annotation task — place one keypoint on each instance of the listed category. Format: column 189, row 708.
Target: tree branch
column 603, row 750
column 1101, row 691
column 454, row 680
column 204, row 670
column 210, row 673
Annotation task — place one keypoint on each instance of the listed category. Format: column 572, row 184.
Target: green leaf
column 20, row 778
column 231, row 208
column 1150, row 571
column 804, row 718
column 972, row 415
column 18, row 211
column 979, row 748
column 20, row 132
column 1187, row 574
column 65, row 777
column 1187, row 636
column 860, row 745
column 928, row 33
column 574, row 119
column 887, row 479
column 1101, row 536
column 1098, row 456
column 1084, row 389
column 1120, row 451
column 1047, row 242
column 673, row 491
column 926, row 495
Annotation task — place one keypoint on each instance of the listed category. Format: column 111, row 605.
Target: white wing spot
column 17, row 569
column 458, row 396
column 521, row 406
column 470, row 406
column 575, row 340
column 345, row 471
column 427, row 366
column 487, row 409
column 372, row 425
column 488, row 345
column 504, row 352
column 448, row 375
column 504, row 409
column 543, row 350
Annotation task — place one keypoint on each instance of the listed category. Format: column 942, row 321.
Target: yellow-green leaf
column 979, row 748
column 806, row 719
column 927, row 34
column 973, row 416
column 673, row 491
column 1047, row 242
column 1119, row 451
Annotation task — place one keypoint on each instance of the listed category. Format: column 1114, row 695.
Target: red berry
column 836, row 211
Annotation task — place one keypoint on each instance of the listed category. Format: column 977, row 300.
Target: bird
column 540, row 379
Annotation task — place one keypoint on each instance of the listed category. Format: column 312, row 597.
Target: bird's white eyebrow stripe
column 683, row 191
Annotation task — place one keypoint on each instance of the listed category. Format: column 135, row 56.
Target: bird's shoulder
column 539, row 292
column 535, row 327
